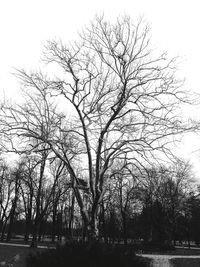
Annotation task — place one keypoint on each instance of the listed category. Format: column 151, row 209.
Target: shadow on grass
column 83, row 254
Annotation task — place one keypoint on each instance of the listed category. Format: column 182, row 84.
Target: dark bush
column 76, row 255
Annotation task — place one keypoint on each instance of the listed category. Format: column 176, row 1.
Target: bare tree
column 122, row 102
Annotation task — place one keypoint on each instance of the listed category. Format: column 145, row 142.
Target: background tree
column 27, row 189
column 6, row 186
column 166, row 190
column 17, row 177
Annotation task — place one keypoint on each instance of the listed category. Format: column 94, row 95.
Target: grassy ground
column 147, row 261
column 185, row 262
column 185, row 251
column 46, row 242
column 7, row 254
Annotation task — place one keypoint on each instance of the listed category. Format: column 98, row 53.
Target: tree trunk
column 71, row 219
column 124, row 227
column 14, row 205
column 93, row 230
column 4, row 229
column 12, row 215
column 53, row 232
column 104, row 233
column 36, row 224
column 35, row 234
column 28, row 225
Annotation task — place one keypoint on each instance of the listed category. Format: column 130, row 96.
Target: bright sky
column 25, row 25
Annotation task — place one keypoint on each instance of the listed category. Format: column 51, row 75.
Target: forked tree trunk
column 90, row 229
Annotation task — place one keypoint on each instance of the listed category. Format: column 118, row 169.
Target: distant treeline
column 159, row 205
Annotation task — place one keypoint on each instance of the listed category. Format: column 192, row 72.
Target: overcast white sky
column 25, row 25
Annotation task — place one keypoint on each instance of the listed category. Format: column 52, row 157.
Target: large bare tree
column 118, row 99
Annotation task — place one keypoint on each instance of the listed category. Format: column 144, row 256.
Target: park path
column 164, row 260
column 158, row 260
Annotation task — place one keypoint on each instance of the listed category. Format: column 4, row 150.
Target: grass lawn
column 177, row 251
column 7, row 253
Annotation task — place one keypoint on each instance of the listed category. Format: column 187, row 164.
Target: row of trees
column 113, row 112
